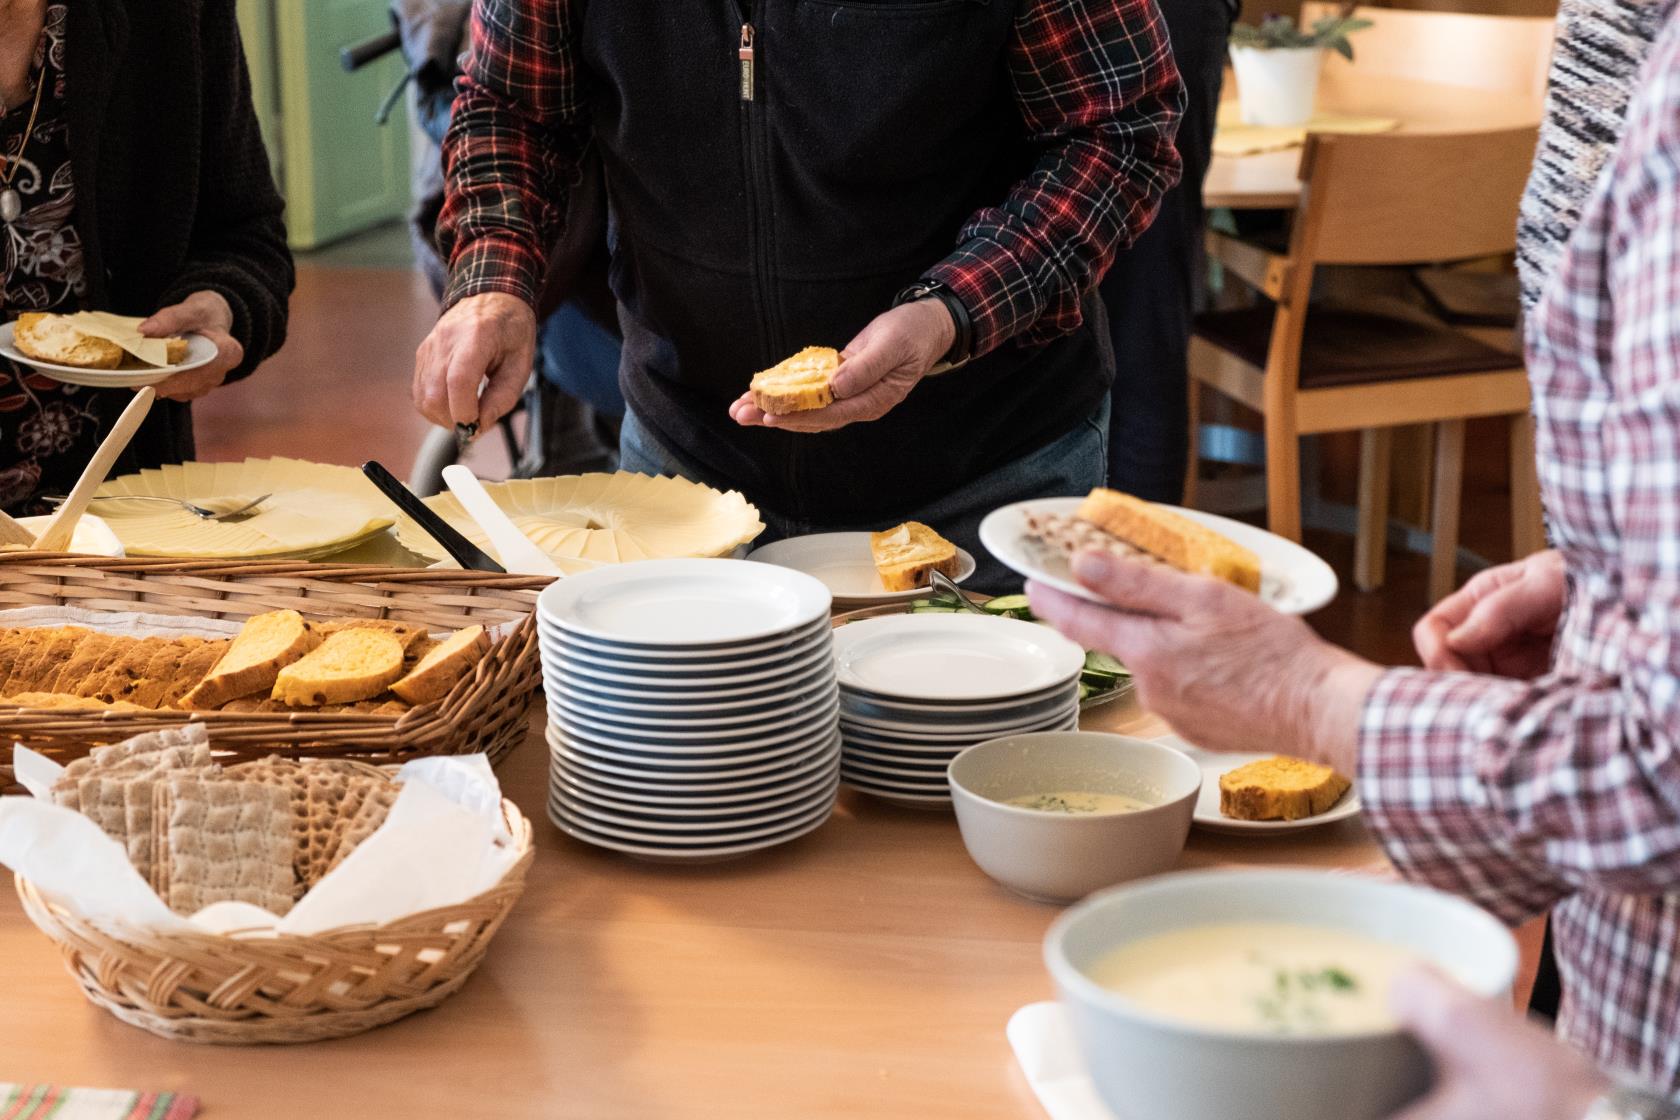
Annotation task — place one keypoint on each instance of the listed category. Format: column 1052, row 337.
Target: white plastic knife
column 513, row 547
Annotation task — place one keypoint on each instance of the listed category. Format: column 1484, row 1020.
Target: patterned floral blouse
column 47, row 430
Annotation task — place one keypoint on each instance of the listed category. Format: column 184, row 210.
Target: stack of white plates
column 691, row 707
column 916, row 689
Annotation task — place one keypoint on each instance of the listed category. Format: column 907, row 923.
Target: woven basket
column 202, row 987
column 483, row 713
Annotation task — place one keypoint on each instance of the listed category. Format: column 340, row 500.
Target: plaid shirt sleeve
column 1097, row 88
column 511, row 153
column 1517, row 793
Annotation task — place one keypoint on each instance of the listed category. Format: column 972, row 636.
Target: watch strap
column 962, row 347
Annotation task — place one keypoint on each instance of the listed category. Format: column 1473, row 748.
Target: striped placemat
column 38, row 1102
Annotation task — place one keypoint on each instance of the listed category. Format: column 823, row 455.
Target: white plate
column 843, row 562
column 922, row 776
column 664, row 737
column 870, row 706
column 92, row 537
column 741, row 770
column 666, row 751
column 1292, row 579
column 663, row 854
column 939, row 746
column 1208, row 816
column 754, row 702
column 636, row 826
column 685, row 602
column 902, row 800
column 200, row 351
column 688, row 808
column 549, row 630
column 819, row 677
column 776, row 781
column 698, row 672
column 918, row 765
column 755, row 722
column 953, row 657
column 950, row 732
column 675, row 683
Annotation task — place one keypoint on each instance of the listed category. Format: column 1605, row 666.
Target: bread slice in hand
column 1279, row 788
column 443, row 665
column 51, row 338
column 906, row 554
column 266, row 644
column 1181, row 542
column 350, row 665
column 798, row 384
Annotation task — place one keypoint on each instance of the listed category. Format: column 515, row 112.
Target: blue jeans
column 1068, row 466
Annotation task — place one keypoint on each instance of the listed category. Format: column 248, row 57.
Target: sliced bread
column 266, row 644
column 1181, row 542
column 438, row 671
column 51, row 338
column 798, row 384
column 348, row 666
column 906, row 554
column 1279, row 788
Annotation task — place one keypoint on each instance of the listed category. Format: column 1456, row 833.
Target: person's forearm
column 1098, row 92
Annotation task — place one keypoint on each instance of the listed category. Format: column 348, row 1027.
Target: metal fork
column 218, row 509
column 947, row 588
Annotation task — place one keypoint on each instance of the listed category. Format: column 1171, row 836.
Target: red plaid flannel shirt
column 1565, row 791
column 1095, row 85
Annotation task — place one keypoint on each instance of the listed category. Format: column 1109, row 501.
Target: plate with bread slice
column 861, row 569
column 1266, row 794
column 1038, row 539
column 99, row 350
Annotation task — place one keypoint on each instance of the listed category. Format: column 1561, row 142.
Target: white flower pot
column 1277, row 88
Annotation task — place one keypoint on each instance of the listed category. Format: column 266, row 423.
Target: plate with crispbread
column 1294, row 794
column 1038, row 539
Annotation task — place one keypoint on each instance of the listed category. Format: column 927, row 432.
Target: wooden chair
column 1506, row 53
column 1395, row 199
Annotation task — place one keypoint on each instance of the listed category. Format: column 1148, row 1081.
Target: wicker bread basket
column 484, row 712
column 203, row 987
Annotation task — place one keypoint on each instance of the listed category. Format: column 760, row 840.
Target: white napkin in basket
column 443, row 843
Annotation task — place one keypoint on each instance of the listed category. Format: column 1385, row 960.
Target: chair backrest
column 1510, row 54
column 1409, row 198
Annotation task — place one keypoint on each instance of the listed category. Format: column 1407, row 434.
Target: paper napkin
column 1048, row 1054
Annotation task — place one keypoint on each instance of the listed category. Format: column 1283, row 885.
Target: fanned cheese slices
column 314, row 510
column 586, row 520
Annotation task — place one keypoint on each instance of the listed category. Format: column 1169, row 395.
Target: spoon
column 517, row 552
column 56, row 536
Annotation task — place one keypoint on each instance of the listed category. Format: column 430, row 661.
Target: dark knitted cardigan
column 173, row 189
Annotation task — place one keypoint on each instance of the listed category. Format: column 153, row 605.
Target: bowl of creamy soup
column 1056, row 815
column 1260, row 994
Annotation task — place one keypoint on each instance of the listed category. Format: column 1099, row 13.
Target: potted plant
column 1277, row 64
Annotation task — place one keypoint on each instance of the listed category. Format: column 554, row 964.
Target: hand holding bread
column 203, row 313
column 874, row 373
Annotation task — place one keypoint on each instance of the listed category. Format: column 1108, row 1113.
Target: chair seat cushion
column 1355, row 347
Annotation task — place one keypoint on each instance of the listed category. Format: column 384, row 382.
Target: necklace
column 11, row 202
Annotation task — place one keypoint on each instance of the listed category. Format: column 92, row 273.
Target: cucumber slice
column 1099, row 662
column 1086, row 692
column 923, row 604
column 933, row 610
column 1005, row 604
column 1102, row 682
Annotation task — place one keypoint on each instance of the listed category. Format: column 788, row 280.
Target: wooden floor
column 339, row 392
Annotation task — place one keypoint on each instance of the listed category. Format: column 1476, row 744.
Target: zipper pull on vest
column 745, row 54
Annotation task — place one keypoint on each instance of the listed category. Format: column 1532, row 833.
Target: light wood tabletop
column 1270, row 180
column 865, row 970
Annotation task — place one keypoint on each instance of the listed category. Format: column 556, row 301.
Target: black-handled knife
column 463, row 551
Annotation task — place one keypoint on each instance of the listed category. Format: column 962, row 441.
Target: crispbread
column 226, row 841
column 438, row 671
column 797, row 384
column 333, row 796
column 1181, row 542
column 293, row 778
column 374, row 806
column 1279, row 788
column 138, row 798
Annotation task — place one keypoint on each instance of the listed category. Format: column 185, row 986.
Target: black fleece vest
column 749, row 228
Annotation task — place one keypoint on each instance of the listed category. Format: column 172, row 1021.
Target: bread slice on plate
column 1181, row 542
column 1279, row 788
column 51, row 338
column 443, row 665
column 798, row 384
column 266, row 644
column 904, row 556
column 350, row 665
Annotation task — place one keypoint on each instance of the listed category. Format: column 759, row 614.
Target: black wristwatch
column 963, row 347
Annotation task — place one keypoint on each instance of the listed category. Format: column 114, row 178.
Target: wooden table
column 866, row 970
column 1268, row 181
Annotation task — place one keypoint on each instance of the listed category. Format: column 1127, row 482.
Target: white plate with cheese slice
column 1207, row 815
column 200, row 351
column 845, row 565
column 1292, row 580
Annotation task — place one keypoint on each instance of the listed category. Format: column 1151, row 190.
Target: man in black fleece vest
column 920, row 182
